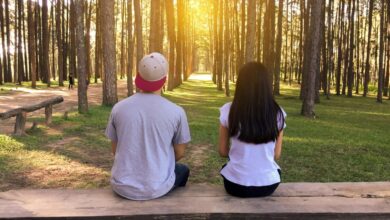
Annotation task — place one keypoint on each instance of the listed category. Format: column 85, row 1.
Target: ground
column 348, row 141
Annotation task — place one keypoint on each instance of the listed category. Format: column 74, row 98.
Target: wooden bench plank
column 204, row 201
column 31, row 108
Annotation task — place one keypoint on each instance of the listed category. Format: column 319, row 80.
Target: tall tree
column 73, row 46
column 172, row 40
column 227, row 44
column 81, row 58
column 278, row 55
column 3, row 44
column 367, row 69
column 179, row 42
column 31, row 41
column 8, row 73
column 88, row 13
column 269, row 39
column 155, row 45
column 130, row 49
column 108, row 37
column 59, row 43
column 314, row 42
column 251, row 32
column 45, row 44
column 381, row 53
column 351, row 49
column 138, row 31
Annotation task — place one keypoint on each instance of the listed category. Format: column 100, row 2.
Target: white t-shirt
column 250, row 164
column 145, row 127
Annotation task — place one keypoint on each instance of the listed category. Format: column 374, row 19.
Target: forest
column 325, row 46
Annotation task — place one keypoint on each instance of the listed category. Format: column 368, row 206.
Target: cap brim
column 149, row 86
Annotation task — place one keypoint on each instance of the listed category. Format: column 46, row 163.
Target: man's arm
column 179, row 151
column 113, row 146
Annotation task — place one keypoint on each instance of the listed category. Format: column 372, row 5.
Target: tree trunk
column 130, row 49
column 88, row 10
column 155, row 26
column 108, row 30
column 3, row 44
column 226, row 50
column 179, row 44
column 32, row 47
column 138, row 30
column 278, row 55
column 367, row 69
column 351, row 49
column 59, row 43
column 220, row 47
column 73, row 46
column 8, row 74
column 251, row 32
column 81, row 58
column 381, row 53
column 315, row 25
column 45, row 43
column 269, row 39
column 172, row 39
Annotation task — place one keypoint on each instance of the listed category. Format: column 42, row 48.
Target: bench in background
column 21, row 113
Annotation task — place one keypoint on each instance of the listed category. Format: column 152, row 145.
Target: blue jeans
column 182, row 172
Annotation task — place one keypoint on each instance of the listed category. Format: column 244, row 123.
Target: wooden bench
column 21, row 113
column 290, row 201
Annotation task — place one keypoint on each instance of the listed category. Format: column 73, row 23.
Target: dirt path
column 24, row 96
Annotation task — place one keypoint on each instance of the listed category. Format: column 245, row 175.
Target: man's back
column 145, row 127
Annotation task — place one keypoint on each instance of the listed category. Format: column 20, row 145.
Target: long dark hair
column 254, row 112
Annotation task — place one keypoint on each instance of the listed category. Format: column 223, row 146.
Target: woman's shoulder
column 226, row 106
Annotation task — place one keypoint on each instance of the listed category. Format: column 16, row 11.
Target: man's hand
column 113, row 146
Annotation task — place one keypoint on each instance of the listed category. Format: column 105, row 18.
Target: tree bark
column 32, row 42
column 315, row 25
column 138, row 30
column 172, row 40
column 59, row 43
column 381, row 54
column 269, row 39
column 45, row 44
column 278, row 55
column 251, row 32
column 351, row 49
column 155, row 26
column 367, row 69
column 81, row 58
column 108, row 24
column 130, row 49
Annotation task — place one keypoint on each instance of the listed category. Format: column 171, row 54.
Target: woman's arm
column 223, row 146
column 278, row 145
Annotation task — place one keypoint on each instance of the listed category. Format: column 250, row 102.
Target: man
column 148, row 134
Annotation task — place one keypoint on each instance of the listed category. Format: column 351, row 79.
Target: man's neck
column 158, row 92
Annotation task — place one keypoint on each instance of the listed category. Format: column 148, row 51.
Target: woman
column 254, row 123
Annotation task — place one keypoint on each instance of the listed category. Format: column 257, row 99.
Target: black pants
column 249, row 191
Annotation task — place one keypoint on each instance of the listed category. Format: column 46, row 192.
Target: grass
column 348, row 141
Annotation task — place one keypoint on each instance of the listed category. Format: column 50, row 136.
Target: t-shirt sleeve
column 282, row 121
column 224, row 115
column 111, row 130
column 182, row 133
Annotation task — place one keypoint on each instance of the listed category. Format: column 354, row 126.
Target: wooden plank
column 192, row 202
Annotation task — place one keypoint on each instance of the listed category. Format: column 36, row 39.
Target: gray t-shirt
column 145, row 127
